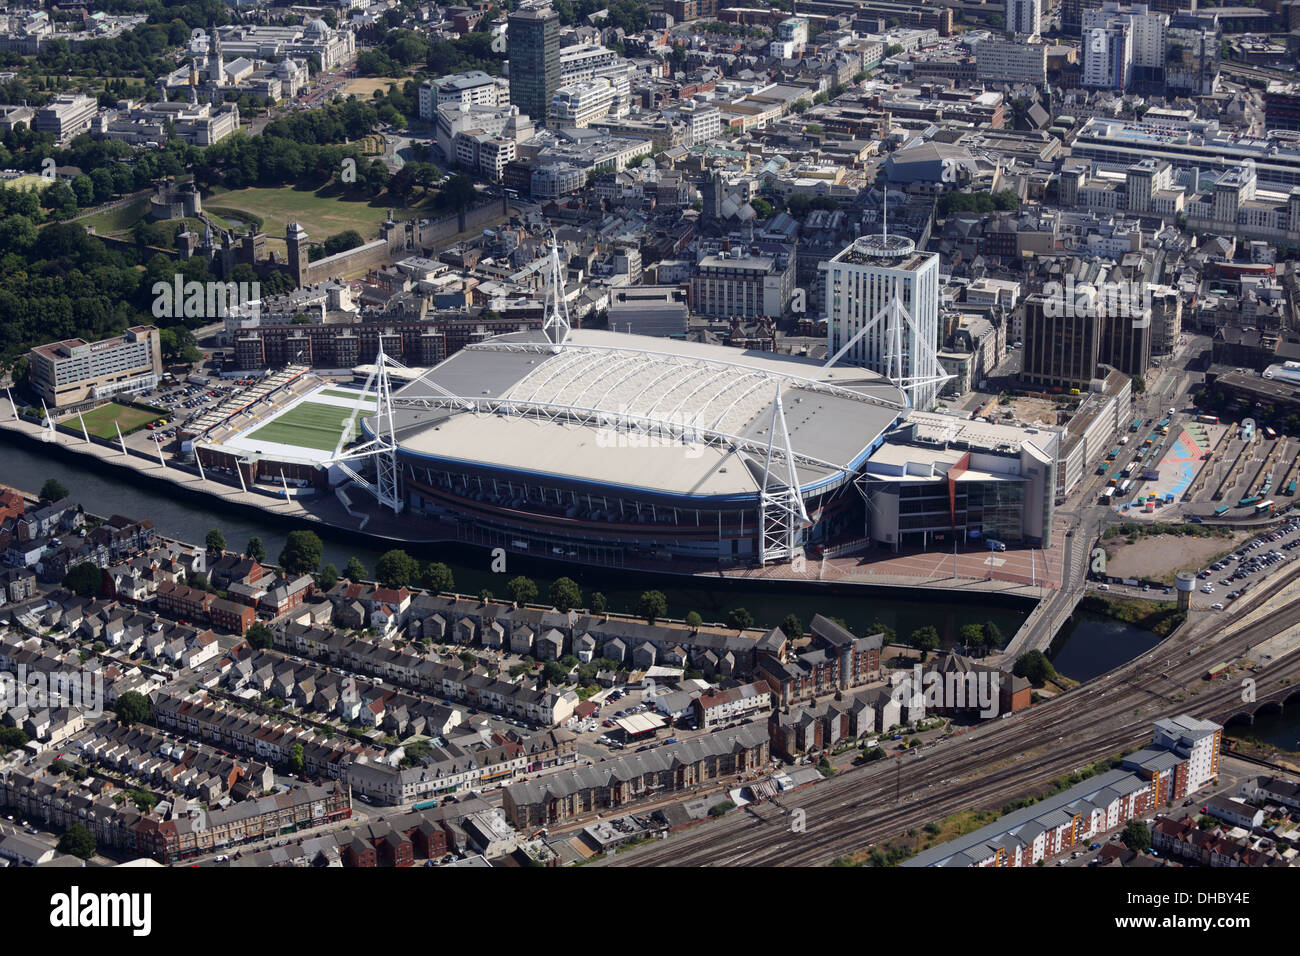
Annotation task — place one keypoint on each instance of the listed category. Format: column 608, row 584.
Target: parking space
column 1244, row 567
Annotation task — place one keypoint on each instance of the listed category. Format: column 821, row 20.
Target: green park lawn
column 99, row 421
column 321, row 214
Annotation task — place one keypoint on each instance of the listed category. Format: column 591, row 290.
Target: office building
column 1024, row 17
column 1070, row 331
column 1107, row 57
column 474, row 88
column 1193, row 48
column 735, row 283
column 534, row 37
column 578, row 105
column 66, row 115
column 75, row 371
column 1010, row 61
column 863, row 284
column 1145, row 31
column 938, row 475
column 649, row 310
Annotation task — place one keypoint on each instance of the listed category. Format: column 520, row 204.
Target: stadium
column 616, row 449
column 285, row 432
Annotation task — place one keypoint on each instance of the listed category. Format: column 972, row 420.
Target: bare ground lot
column 1032, row 411
column 1160, row 557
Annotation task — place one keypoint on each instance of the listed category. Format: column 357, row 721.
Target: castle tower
column 295, row 237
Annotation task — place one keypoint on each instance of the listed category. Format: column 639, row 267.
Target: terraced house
column 624, row 780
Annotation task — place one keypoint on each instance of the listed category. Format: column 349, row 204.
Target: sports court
column 309, row 427
column 1177, row 468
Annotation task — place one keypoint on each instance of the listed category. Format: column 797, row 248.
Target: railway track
column 986, row 767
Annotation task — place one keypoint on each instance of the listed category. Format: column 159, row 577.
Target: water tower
column 1185, row 585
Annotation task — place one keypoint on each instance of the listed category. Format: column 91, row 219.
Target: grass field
column 321, row 215
column 99, row 421
column 28, row 182
column 366, row 86
column 308, row 425
column 355, row 396
column 119, row 219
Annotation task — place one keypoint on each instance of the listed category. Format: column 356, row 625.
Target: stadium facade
column 621, row 450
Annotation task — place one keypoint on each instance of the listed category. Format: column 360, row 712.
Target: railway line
column 988, row 766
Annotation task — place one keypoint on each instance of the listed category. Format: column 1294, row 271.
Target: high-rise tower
column 534, row 45
column 882, row 309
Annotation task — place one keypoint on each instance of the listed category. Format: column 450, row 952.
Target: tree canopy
column 84, row 580
column 652, row 605
column 565, row 594
column 302, row 552
column 132, row 707
column 396, row 568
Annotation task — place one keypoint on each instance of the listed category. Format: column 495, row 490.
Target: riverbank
column 364, row 521
column 1158, row 617
column 187, row 517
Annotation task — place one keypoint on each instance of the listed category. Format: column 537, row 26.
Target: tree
column 552, row 673
column 884, row 630
column 294, row 763
column 132, row 707
column 260, row 636
column 84, row 579
column 792, row 627
column 77, row 841
column 597, row 602
column 762, row 208
column 992, row 635
column 328, row 577
column 1136, row 836
column 925, row 638
column 457, row 194
column 354, row 570
column 565, row 594
column 52, row 490
column 972, row 635
column 522, row 590
column 652, row 605
column 1139, row 385
column 740, row 619
column 438, row 577
column 302, row 552
column 1034, row 667
column 396, row 568
column 694, row 621
column 255, row 549
column 215, row 542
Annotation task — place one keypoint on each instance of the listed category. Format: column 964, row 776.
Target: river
column 1277, row 730
column 1087, row 646
column 190, row 517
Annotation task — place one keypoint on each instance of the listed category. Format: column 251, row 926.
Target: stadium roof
column 649, row 414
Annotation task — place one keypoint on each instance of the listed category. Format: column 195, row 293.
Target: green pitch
column 308, row 425
column 99, row 421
